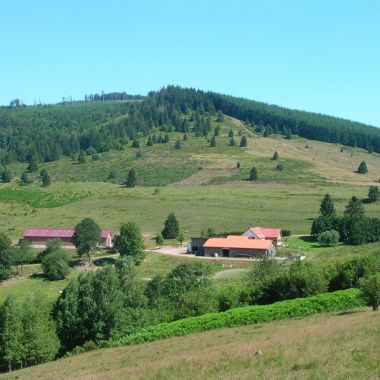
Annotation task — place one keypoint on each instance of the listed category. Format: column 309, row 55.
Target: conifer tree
column 275, row 156
column 232, row 141
column 362, row 169
column 149, row 142
column 7, row 175
column 327, row 206
column 243, row 142
column 213, row 141
column 177, row 144
column 131, row 178
column 171, row 227
column 253, row 174
column 82, row 157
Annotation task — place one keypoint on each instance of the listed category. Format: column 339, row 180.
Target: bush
column 300, row 307
column 55, row 265
column 280, row 167
column 286, row 233
column 328, row 238
column 370, row 290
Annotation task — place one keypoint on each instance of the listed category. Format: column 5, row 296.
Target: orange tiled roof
column 237, row 242
column 264, row 233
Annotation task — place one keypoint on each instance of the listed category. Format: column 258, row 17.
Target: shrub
column 370, row 290
column 55, row 265
column 159, row 239
column 286, row 232
column 328, row 238
column 280, row 167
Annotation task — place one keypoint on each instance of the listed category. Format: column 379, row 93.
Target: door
column 225, row 252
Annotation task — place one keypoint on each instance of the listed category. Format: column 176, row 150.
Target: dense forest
column 108, row 121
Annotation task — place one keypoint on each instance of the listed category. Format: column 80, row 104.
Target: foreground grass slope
column 331, row 345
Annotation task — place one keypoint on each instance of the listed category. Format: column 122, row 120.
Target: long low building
column 38, row 237
column 238, row 246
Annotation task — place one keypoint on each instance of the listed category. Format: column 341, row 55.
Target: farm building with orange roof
column 238, row 246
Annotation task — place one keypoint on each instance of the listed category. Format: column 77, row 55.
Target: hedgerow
column 299, row 307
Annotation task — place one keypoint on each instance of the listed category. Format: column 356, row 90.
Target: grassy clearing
column 227, row 208
column 330, row 345
column 31, row 280
column 307, row 246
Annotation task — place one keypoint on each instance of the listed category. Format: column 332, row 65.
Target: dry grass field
column 333, row 345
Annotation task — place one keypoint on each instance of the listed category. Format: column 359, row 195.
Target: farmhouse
column 38, row 237
column 238, row 246
column 260, row 233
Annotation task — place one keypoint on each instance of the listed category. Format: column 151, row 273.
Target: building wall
column 258, row 253
column 197, row 245
column 41, row 241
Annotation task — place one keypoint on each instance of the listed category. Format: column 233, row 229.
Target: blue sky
column 316, row 55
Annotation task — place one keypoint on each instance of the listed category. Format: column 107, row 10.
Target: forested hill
column 108, row 121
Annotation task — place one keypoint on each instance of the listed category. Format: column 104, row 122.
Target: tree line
column 46, row 132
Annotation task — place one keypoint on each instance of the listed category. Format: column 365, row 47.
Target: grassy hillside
column 332, row 345
column 200, row 184
column 304, row 161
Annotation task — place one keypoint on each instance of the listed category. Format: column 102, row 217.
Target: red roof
column 237, row 242
column 266, row 233
column 56, row 233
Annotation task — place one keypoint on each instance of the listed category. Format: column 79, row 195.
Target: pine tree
column 32, row 166
column 266, row 133
column 135, row 143
column 238, row 165
column 243, row 142
column 185, row 137
column 354, row 208
column 149, row 142
column 232, row 141
column 82, row 157
column 177, row 144
column 231, row 133
column 166, row 138
column 171, row 227
column 253, row 174
column 362, row 169
column 25, row 178
column 327, row 206
column 213, row 142
column 7, row 175
column 131, row 178
column 46, row 180
column 288, row 135
column 275, row 156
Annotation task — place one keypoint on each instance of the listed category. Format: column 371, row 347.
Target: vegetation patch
column 40, row 199
column 300, row 307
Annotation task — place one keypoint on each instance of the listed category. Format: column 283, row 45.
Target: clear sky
column 315, row 55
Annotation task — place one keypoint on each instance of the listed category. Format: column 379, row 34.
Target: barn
column 239, row 246
column 38, row 237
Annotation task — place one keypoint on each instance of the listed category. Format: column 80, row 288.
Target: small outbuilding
column 38, row 237
column 196, row 245
column 238, row 246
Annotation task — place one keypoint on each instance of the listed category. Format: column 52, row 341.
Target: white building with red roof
column 260, row 233
column 238, row 246
column 38, row 237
